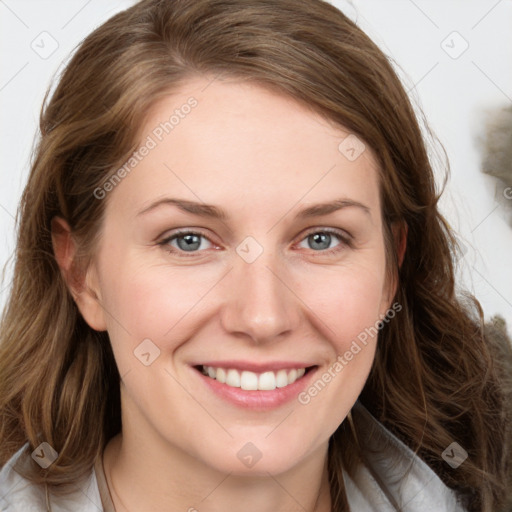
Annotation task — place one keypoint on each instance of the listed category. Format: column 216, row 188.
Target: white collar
column 393, row 477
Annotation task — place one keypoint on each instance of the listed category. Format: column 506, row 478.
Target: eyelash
column 345, row 241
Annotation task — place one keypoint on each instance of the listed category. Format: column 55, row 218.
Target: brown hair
column 434, row 380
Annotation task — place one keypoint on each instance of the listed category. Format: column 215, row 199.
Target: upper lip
column 255, row 367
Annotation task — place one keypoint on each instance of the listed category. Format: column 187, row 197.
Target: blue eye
column 185, row 241
column 320, row 240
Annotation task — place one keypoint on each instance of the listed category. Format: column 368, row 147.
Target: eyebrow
column 209, row 210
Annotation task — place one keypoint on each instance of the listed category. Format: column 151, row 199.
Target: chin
column 256, row 458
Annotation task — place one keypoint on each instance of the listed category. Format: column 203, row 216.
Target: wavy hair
column 435, row 378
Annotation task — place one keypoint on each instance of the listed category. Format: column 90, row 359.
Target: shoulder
column 17, row 494
column 393, row 477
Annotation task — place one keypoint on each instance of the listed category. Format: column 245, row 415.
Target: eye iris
column 324, row 239
column 190, row 242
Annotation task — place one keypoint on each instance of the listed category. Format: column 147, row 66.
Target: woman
column 233, row 287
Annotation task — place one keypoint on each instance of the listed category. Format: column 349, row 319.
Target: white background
column 454, row 93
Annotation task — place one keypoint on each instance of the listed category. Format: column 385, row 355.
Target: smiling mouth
column 251, row 381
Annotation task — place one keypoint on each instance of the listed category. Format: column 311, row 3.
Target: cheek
column 351, row 303
column 349, row 300
column 149, row 302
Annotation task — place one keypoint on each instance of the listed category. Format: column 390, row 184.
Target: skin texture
column 262, row 158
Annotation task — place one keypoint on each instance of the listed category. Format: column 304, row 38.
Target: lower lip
column 257, row 400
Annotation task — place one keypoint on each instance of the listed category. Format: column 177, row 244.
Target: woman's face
column 280, row 266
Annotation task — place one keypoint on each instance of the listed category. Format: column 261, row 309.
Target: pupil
column 321, row 238
column 188, row 242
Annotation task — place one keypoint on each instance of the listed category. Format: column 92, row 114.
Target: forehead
column 238, row 143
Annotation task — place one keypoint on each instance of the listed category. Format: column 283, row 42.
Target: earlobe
column 82, row 284
column 89, row 301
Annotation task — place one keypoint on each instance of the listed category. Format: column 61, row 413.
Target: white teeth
column 281, row 379
column 233, row 379
column 267, row 381
column 292, row 376
column 250, row 381
column 221, row 374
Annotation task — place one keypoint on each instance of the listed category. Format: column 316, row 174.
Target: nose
column 259, row 301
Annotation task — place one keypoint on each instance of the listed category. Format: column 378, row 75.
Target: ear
column 399, row 232
column 400, row 237
column 83, row 285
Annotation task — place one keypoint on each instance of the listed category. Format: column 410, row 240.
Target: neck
column 179, row 482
